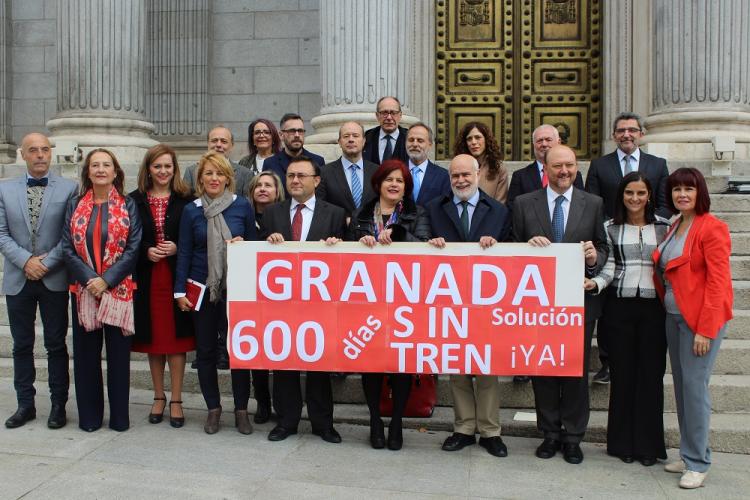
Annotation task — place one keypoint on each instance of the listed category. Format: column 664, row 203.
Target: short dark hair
column 385, row 169
column 301, row 158
column 689, row 176
column 627, row 115
column 289, row 116
column 430, row 135
column 621, row 212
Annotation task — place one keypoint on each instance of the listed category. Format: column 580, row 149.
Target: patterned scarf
column 116, row 304
column 378, row 217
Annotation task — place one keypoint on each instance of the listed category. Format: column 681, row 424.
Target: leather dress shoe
column 494, row 446
column 20, row 417
column 572, row 453
column 647, row 461
column 602, row 376
column 329, row 435
column 458, row 441
column 628, row 459
column 263, row 413
column 242, row 422
column 212, row 421
column 548, row 448
column 377, row 434
column 280, row 433
column 57, row 417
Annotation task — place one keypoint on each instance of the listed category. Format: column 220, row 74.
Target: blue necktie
column 32, row 182
column 415, row 171
column 629, row 165
column 558, row 220
column 356, row 186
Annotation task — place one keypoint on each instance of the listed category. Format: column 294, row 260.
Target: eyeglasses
column 302, row 177
column 261, row 132
column 388, row 112
column 632, row 130
column 294, row 131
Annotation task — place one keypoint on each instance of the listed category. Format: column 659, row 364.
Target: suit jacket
column 335, row 189
column 142, row 296
column 531, row 218
column 527, row 179
column 701, row 277
column 15, row 231
column 605, row 175
column 435, row 183
column 490, row 218
column 372, row 146
column 242, row 178
column 279, row 162
column 328, row 221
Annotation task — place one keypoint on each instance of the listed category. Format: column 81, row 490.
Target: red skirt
column 163, row 337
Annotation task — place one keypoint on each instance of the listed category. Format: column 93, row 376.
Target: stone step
column 730, row 393
column 741, row 294
column 740, row 243
column 734, row 358
column 740, row 267
column 737, row 221
column 721, row 203
column 739, row 327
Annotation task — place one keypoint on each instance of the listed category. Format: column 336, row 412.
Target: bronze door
column 516, row 64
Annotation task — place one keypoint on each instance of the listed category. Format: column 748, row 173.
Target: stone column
column 372, row 48
column 7, row 148
column 700, row 81
column 101, row 87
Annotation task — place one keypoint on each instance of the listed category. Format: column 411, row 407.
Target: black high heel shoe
column 155, row 418
column 377, row 434
column 176, row 422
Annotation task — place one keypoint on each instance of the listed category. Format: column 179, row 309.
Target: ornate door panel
column 515, row 64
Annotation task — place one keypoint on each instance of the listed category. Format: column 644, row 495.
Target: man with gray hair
column 430, row 181
column 470, row 215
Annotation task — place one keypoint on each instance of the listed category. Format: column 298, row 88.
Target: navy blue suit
column 491, row 218
column 435, row 183
column 279, row 162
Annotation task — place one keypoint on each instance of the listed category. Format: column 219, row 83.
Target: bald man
column 562, row 213
column 32, row 215
column 220, row 140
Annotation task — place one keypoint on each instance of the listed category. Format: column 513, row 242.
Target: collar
column 393, row 134
column 472, row 201
column 636, row 155
column 552, row 195
column 346, row 163
column 539, row 166
column 309, row 204
column 422, row 166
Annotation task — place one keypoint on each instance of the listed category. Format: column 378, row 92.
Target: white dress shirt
column 307, row 215
column 552, row 196
column 382, row 142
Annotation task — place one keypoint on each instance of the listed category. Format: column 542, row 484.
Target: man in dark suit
column 292, row 129
column 430, row 181
column 531, row 177
column 603, row 179
column 561, row 213
column 32, row 216
column 388, row 140
column 303, row 218
column 221, row 140
column 470, row 215
column 347, row 182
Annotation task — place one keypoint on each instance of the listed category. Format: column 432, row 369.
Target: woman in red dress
column 160, row 198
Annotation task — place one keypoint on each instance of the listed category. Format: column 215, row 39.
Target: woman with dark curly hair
column 476, row 139
column 263, row 140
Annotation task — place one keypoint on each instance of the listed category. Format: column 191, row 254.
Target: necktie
column 415, row 171
column 629, row 165
column 465, row 218
column 297, row 223
column 388, row 152
column 558, row 220
column 32, row 182
column 545, row 179
column 356, row 186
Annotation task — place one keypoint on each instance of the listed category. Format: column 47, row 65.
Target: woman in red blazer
column 694, row 281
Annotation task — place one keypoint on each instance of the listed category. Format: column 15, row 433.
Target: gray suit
column 242, row 178
column 562, row 403
column 49, row 293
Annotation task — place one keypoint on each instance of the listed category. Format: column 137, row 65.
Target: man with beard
column 430, row 181
column 561, row 213
column 221, row 140
column 470, row 215
column 388, row 140
column 347, row 182
column 293, row 137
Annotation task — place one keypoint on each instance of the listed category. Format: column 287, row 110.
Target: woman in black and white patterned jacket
column 634, row 319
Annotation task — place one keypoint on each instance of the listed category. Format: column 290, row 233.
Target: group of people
column 657, row 274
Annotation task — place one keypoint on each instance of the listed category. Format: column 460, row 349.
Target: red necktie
column 545, row 179
column 297, row 223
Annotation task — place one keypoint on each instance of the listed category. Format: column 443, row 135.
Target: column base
column 8, row 153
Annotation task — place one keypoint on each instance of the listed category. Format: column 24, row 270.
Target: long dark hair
column 275, row 137
column 621, row 213
column 492, row 154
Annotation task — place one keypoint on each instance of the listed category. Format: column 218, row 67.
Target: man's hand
column 184, row 304
column 701, row 345
column 437, row 242
column 486, row 242
column 275, row 238
column 331, row 241
column 34, row 269
column 539, row 241
column 236, row 239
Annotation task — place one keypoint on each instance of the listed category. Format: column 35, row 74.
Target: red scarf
column 116, row 304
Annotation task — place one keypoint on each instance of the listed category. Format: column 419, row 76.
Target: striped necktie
column 356, row 185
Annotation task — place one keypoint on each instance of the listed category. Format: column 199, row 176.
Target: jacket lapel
column 23, row 201
column 451, row 211
column 542, row 212
column 695, row 228
column 49, row 192
column 317, row 229
column 341, row 184
column 577, row 209
column 480, row 211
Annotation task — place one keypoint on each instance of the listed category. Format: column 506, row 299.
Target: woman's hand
column 97, row 286
column 589, row 252
column 168, row 248
column 701, row 345
column 368, row 241
column 236, row 239
column 590, row 285
column 184, row 304
column 384, row 238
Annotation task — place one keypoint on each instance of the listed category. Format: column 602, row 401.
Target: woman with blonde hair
column 161, row 197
